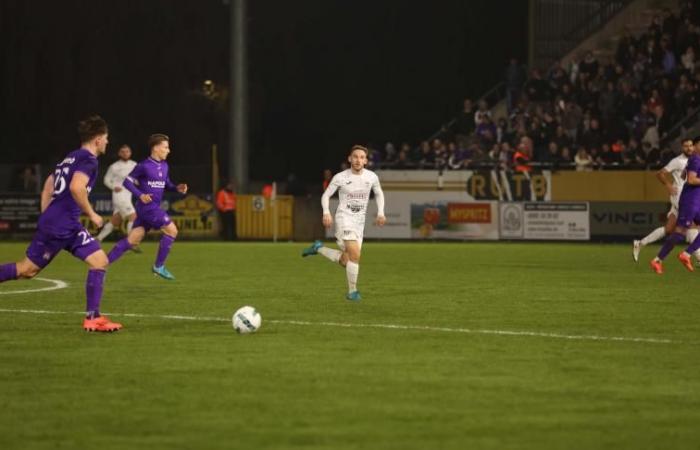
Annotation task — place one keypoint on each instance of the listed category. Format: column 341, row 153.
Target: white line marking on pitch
column 57, row 284
column 380, row 326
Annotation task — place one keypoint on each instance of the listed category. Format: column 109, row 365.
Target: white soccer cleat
column 636, row 248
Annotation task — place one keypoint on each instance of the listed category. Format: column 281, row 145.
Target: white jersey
column 353, row 193
column 676, row 167
column 115, row 178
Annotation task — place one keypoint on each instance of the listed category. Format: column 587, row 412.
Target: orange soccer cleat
column 687, row 261
column 101, row 323
column 657, row 266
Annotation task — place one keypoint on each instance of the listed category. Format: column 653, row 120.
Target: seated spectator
column 403, row 162
column 583, row 160
column 427, row 157
column 653, row 159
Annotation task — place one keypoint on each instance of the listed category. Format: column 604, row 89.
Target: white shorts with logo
column 674, row 208
column 348, row 230
column 122, row 206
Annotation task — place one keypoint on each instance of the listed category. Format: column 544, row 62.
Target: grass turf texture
column 163, row 383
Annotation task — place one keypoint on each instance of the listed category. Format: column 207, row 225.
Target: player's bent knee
column 98, row 261
column 27, row 270
column 171, row 230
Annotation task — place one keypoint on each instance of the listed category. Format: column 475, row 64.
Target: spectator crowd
column 588, row 115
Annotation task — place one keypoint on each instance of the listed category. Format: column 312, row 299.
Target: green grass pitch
column 525, row 346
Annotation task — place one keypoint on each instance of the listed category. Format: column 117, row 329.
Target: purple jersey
column 149, row 177
column 62, row 217
column 690, row 195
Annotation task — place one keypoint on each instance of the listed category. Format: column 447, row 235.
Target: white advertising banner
column 431, row 215
column 545, row 221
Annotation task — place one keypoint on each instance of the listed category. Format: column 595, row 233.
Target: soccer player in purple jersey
column 147, row 182
column 64, row 196
column 688, row 215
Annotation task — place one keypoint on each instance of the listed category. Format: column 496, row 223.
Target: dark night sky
column 323, row 74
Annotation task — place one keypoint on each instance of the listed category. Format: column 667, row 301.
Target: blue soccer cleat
column 354, row 296
column 163, row 272
column 313, row 250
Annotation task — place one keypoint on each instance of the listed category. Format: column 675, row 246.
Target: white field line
column 573, row 337
column 57, row 284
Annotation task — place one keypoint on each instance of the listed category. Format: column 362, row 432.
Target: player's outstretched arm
column 327, row 219
column 379, row 198
column 109, row 179
column 78, row 189
column 662, row 176
column 46, row 193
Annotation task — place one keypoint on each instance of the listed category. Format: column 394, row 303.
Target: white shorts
column 123, row 207
column 347, row 234
column 673, row 210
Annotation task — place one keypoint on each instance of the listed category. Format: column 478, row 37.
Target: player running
column 121, row 198
column 64, row 196
column 147, row 182
column 676, row 169
column 688, row 215
column 353, row 186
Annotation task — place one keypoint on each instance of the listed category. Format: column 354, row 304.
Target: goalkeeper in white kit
column 353, row 186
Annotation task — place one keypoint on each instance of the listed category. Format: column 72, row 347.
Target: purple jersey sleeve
column 169, row 185
column 131, row 180
column 693, row 164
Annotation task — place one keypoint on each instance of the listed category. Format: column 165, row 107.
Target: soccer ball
column 246, row 320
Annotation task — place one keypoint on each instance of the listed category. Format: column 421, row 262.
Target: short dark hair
column 688, row 139
column 91, row 127
column 156, row 139
column 696, row 139
column 359, row 147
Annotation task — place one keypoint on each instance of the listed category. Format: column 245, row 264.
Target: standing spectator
column 26, row 180
column 523, row 155
column 226, row 205
column 589, row 65
column 536, row 88
column 481, row 112
column 571, row 119
column 688, row 59
column 514, row 81
column 464, row 123
column 327, row 177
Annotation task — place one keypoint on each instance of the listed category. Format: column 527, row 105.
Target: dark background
column 323, row 74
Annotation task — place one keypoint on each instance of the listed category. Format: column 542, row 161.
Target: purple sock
column 93, row 290
column 670, row 242
column 694, row 245
column 163, row 249
column 8, row 272
column 118, row 250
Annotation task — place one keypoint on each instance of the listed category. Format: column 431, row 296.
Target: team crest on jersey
column 160, row 174
column 46, row 255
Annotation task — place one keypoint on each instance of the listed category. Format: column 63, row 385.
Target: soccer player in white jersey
column 676, row 170
column 121, row 198
column 353, row 186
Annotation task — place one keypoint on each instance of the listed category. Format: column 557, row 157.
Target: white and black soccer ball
column 246, row 320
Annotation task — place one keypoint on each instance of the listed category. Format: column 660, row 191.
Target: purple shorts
column 152, row 219
column 688, row 215
column 45, row 246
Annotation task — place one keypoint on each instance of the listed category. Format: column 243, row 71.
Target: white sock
column 105, row 231
column 691, row 234
column 654, row 236
column 129, row 226
column 332, row 254
column 352, row 270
